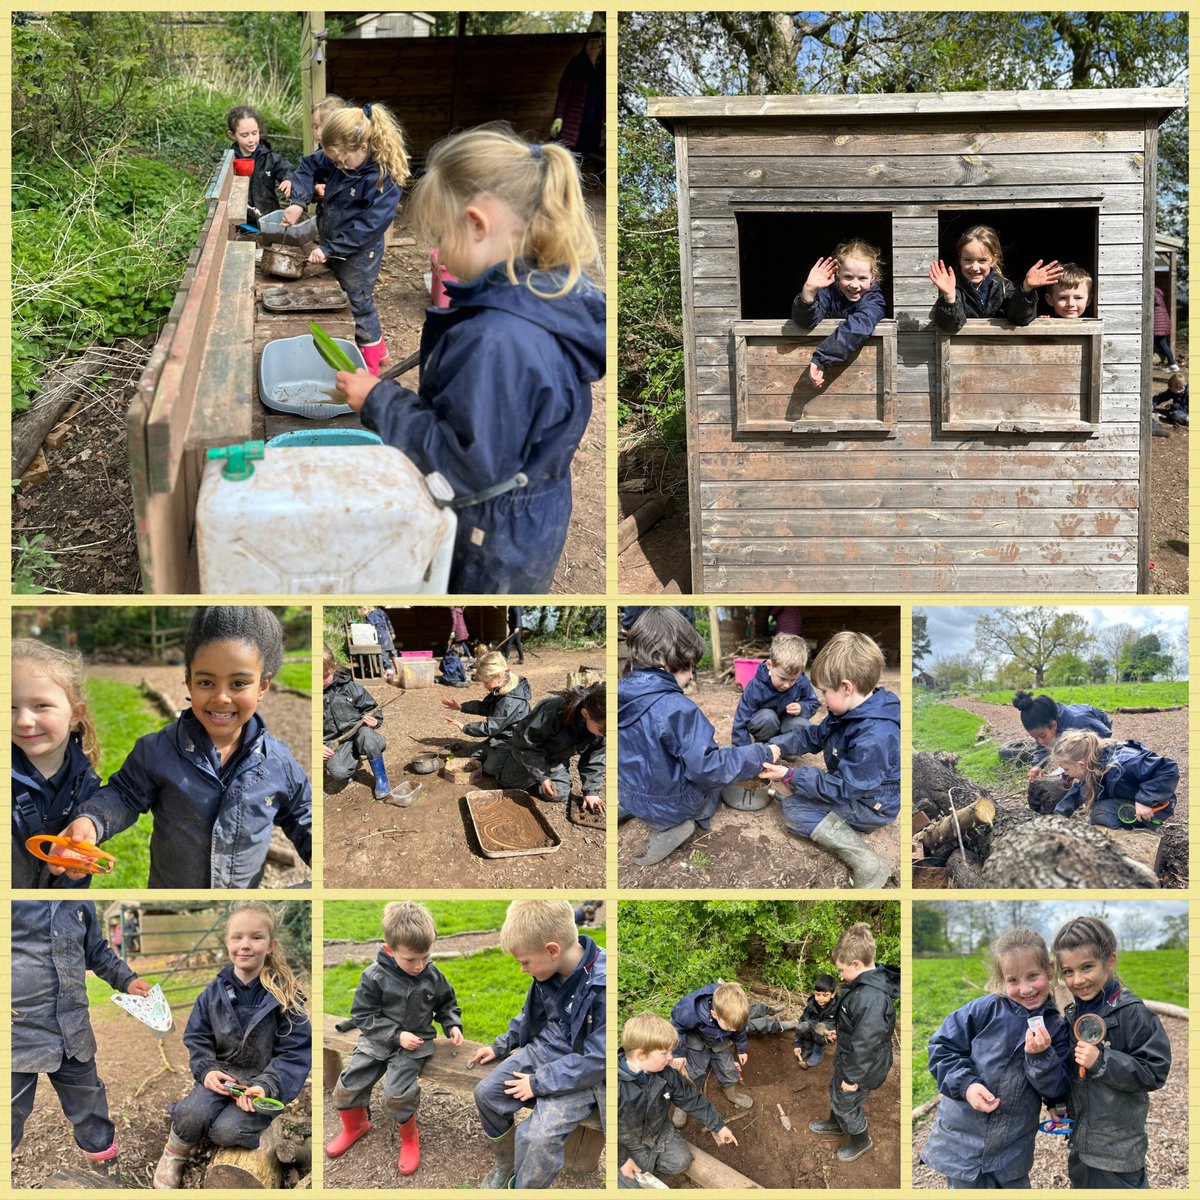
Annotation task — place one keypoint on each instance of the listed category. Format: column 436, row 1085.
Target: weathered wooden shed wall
column 1018, row 475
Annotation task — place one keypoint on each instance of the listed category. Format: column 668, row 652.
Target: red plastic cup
column 243, row 166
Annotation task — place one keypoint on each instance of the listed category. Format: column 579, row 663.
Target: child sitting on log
column 1003, row 1053
column 248, row 1028
column 1121, row 785
column 345, row 703
column 779, row 699
column 860, row 786
column 505, row 704
column 1043, row 718
column 215, row 781
column 710, row 1027
column 649, row 1082
column 866, row 1017
column 55, row 943
column 398, row 998
column 845, row 287
column 553, row 1050
column 670, row 770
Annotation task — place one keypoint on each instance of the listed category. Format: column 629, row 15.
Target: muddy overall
column 366, row 743
column 401, row 1074
column 541, row 1140
column 357, row 274
column 83, row 1099
column 702, row 1054
column 668, row 1154
column 204, row 1114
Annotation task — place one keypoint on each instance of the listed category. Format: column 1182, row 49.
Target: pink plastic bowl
column 744, row 669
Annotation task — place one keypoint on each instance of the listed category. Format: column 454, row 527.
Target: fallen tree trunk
column 166, row 704
column 1166, row 1010
column 1150, row 708
column 641, row 522
column 73, row 1177
column 1053, row 853
column 236, row 1167
column 708, row 1172
column 965, row 870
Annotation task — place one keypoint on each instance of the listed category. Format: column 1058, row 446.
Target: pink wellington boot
column 375, row 355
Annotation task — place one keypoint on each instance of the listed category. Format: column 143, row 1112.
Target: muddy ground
column 287, row 716
column 746, row 849
column 1167, row 1123
column 431, row 844
column 775, row 1158
column 661, row 560
column 126, row 1057
column 84, row 510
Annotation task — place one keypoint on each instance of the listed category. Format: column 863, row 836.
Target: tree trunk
column 1054, row 853
column 235, row 1167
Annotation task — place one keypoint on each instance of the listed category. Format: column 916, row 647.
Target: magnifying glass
column 1091, row 1029
column 261, row 1103
column 1127, row 813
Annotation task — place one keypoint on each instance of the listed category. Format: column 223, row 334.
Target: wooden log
column 283, row 856
column 965, row 869
column 236, row 1167
column 641, row 522
column 582, row 1150
column 1166, row 1010
column 1149, row 708
column 706, row 1171
column 74, row 1177
column 923, row 1110
column 1138, row 844
column 945, row 832
column 165, row 703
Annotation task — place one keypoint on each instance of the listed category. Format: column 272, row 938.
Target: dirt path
column 1169, row 502
column 1165, row 733
column 126, row 1056
column 1167, row 1160
column 432, row 846
column 746, row 849
column 287, row 716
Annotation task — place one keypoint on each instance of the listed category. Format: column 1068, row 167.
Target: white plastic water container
column 324, row 520
column 363, row 637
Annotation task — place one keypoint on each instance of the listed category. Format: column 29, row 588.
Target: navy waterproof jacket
column 41, row 805
column 383, row 628
column 814, row 1013
column 270, row 170
column 866, row 1017
column 994, row 297
column 670, row 768
column 1076, row 716
column 212, row 826
column 355, row 213
column 344, row 703
column 453, row 670
column 54, row 945
column 389, row 1001
column 1111, row 1101
column 500, row 710
column 542, row 742
column 984, row 1042
column 644, row 1100
column 1136, row 775
column 862, row 755
column 693, row 1014
column 505, row 389
column 760, row 693
column 575, row 1053
column 273, row 1051
column 859, row 318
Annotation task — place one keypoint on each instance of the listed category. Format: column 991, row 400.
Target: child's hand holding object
column 409, row 1041
column 355, row 387
column 980, row 1099
column 1087, row 1055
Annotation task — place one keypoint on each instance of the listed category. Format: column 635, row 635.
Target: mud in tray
column 507, row 824
column 317, row 298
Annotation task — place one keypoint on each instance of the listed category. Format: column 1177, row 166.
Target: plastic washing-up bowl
column 327, row 437
column 744, row 670
column 294, row 378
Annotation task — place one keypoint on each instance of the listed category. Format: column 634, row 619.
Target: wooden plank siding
column 1012, row 460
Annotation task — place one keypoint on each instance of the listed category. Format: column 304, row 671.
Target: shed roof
column 1047, row 102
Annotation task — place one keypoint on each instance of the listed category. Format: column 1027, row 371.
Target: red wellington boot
column 375, row 355
column 354, row 1126
column 410, row 1147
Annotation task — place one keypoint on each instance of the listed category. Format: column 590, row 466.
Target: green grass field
column 1107, row 695
column 940, row 985
column 100, row 1003
column 298, row 675
column 358, row 920
column 942, row 727
column 122, row 715
column 489, row 985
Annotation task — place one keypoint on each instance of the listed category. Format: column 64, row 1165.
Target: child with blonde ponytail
column 363, row 166
column 1122, row 785
column 249, row 1029
column 54, row 754
column 507, row 369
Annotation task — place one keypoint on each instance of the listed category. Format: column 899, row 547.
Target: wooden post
column 708, row 1172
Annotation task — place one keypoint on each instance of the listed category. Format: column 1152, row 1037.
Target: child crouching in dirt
column 1003, row 1053
column 54, row 754
column 860, row 786
column 537, row 757
column 1122, row 785
column 345, row 704
column 1044, row 719
column 54, row 945
column 398, row 998
column 866, row 1017
column 779, row 699
column 505, row 704
column 514, row 355
column 710, row 1028
column 554, row 1049
column 215, row 780
column 1110, row 1090
column 670, row 770
column 648, row 1084
column 248, row 1029
column 817, row 1023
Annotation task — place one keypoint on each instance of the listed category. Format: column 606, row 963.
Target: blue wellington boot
column 383, row 786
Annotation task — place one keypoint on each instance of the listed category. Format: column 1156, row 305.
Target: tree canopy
column 1031, row 637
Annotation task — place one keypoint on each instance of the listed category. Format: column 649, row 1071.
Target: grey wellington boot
column 867, row 869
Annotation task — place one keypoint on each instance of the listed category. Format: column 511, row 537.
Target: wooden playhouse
column 996, row 459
